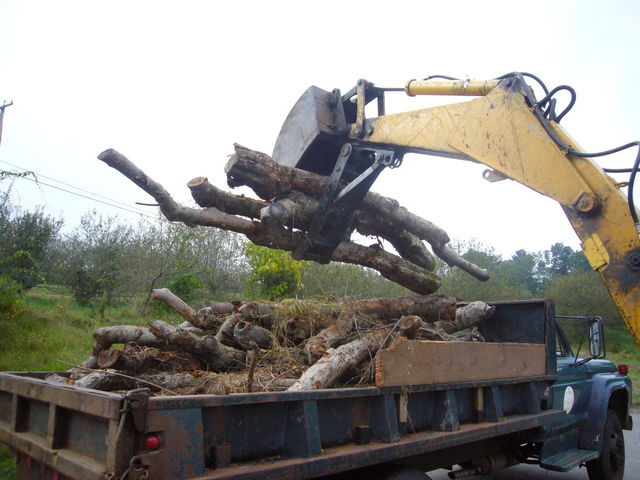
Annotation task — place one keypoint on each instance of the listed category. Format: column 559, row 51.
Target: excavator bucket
column 314, row 137
column 310, row 138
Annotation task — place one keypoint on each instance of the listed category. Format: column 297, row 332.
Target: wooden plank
column 417, row 362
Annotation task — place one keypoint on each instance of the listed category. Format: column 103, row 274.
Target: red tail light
column 152, row 442
column 623, row 369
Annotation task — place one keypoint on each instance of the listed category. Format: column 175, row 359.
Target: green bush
column 274, row 274
column 11, row 303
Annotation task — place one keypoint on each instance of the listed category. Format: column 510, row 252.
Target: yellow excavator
column 504, row 127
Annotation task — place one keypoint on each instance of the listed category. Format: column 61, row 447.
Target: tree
column 582, row 293
column 273, row 273
column 522, row 269
column 97, row 259
column 499, row 287
column 346, row 280
column 559, row 260
column 25, row 240
column 210, row 257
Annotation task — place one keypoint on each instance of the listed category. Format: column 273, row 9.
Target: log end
column 197, row 182
column 109, row 152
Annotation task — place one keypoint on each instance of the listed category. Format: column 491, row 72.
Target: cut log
column 207, row 195
column 105, row 380
column 247, row 334
column 225, row 332
column 219, row 357
column 390, row 266
column 207, row 318
column 336, row 362
column 165, row 295
column 260, row 312
column 107, row 336
column 57, row 379
column 318, row 345
column 110, row 380
column 296, row 210
column 465, row 317
column 140, row 360
column 472, row 314
column 409, row 326
column 433, row 307
column 219, row 308
column 384, row 215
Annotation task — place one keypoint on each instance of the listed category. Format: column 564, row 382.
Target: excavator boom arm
column 500, row 129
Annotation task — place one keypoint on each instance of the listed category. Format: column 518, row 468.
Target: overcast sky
column 172, row 85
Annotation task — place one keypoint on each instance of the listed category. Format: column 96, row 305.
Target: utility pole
column 4, row 105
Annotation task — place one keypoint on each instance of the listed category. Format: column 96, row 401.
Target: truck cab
column 596, row 395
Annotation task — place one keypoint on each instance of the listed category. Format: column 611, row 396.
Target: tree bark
column 429, row 308
column 189, row 314
column 207, row 195
column 139, row 360
column 110, row 380
column 207, row 318
column 409, row 326
column 336, row 362
column 247, row 334
column 390, row 266
column 219, row 357
column 383, row 216
column 107, row 336
column 252, row 360
column 318, row 345
column 465, row 317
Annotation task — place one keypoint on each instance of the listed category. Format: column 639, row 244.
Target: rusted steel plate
column 93, row 402
column 64, row 461
column 203, row 401
column 352, row 456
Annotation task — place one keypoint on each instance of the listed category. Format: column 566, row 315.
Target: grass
column 7, row 463
column 53, row 328
column 621, row 348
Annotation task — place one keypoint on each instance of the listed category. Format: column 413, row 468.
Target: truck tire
column 610, row 464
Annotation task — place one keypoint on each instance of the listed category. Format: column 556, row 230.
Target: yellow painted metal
column 474, row 88
column 596, row 252
column 497, row 130
column 616, row 231
column 500, row 131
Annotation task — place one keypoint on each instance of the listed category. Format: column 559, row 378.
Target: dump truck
column 523, row 395
column 560, row 410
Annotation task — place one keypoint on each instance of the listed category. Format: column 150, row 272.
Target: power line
column 71, row 186
column 38, row 182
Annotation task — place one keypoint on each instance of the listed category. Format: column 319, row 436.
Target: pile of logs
column 266, row 346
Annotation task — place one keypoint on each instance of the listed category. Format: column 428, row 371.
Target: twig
column 252, row 356
column 280, row 375
column 120, row 375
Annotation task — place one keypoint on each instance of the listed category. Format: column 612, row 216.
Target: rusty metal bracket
column 361, row 102
column 135, row 401
column 334, row 221
column 137, row 470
